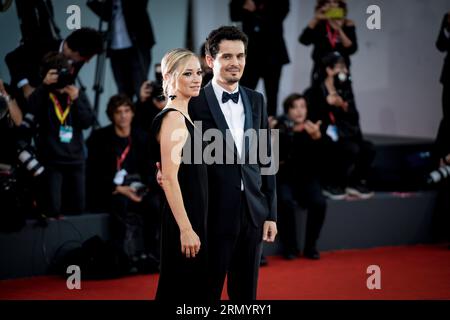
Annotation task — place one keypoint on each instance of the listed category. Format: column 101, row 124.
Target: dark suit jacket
column 443, row 45
column 225, row 179
column 264, row 28
column 136, row 18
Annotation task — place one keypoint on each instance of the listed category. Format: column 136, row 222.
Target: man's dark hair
column 288, row 103
column 53, row 60
column 86, row 41
column 329, row 61
column 332, row 59
column 115, row 102
column 224, row 33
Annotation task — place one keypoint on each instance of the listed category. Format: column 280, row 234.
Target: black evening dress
column 181, row 278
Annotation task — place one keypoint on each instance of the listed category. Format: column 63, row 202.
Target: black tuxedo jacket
column 225, row 179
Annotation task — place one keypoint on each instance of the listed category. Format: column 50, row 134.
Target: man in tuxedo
column 242, row 201
column 262, row 22
column 130, row 39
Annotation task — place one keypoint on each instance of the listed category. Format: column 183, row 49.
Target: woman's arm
column 172, row 136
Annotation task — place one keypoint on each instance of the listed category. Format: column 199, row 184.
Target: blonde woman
column 185, row 184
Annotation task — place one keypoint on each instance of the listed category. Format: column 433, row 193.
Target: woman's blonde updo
column 172, row 64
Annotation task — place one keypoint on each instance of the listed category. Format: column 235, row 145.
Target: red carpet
column 413, row 272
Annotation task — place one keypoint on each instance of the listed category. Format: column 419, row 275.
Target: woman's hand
column 51, row 77
column 145, row 91
column 336, row 100
column 128, row 192
column 72, row 91
column 190, row 242
column 336, row 24
column 319, row 15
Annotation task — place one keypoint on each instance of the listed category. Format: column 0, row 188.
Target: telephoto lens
column 438, row 175
column 28, row 159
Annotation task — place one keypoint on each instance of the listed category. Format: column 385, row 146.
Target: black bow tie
column 227, row 96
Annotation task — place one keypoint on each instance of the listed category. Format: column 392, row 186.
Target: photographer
column 329, row 31
column 151, row 101
column 121, row 179
column 298, row 178
column 130, row 40
column 331, row 100
column 24, row 61
column 10, row 119
column 57, row 115
column 262, row 22
column 11, row 193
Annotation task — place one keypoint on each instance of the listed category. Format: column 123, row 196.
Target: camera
column 28, row 159
column 65, row 78
column 335, row 13
column 343, row 84
column 157, row 92
column 134, row 181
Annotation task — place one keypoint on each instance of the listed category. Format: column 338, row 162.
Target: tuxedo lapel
column 248, row 119
column 218, row 116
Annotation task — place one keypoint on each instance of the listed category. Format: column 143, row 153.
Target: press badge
column 119, row 178
column 65, row 134
column 332, row 132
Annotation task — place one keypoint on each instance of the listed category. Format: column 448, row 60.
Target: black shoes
column 311, row 253
column 291, row 254
column 359, row 190
column 334, row 192
column 263, row 262
column 145, row 263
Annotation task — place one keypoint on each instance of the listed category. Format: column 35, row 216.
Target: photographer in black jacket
column 56, row 118
column 121, row 179
column 331, row 100
column 298, row 180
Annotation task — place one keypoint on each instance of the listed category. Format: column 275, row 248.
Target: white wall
column 396, row 70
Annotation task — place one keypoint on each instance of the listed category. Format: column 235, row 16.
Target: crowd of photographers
column 48, row 169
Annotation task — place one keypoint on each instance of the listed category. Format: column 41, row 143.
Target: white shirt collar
column 218, row 90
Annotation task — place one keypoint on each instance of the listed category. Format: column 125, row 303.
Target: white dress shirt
column 234, row 115
column 120, row 38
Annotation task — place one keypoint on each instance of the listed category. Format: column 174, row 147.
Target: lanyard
column 60, row 113
column 124, row 154
column 332, row 118
column 332, row 37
